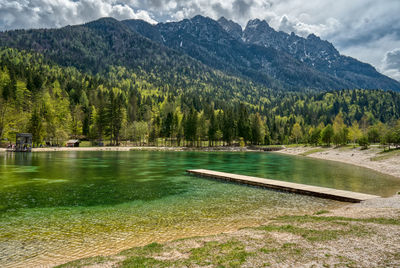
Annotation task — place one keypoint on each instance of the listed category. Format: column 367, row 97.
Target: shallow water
column 60, row 206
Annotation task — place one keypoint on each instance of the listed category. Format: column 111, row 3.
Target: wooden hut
column 72, row 143
column 23, row 142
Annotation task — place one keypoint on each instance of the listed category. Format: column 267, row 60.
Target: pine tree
column 243, row 124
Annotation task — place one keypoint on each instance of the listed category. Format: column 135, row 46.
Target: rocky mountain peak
column 199, row 19
column 313, row 37
column 231, row 27
column 259, row 32
column 257, row 24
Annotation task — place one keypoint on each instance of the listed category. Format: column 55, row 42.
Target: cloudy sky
column 368, row 30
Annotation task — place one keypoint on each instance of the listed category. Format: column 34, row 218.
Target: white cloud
column 58, row 13
column 391, row 63
column 374, row 52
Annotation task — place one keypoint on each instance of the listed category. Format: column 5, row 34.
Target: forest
column 136, row 106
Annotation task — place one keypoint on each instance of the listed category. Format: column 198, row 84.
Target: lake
column 60, row 206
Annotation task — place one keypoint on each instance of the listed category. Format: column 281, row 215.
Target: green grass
column 289, row 224
column 228, row 254
column 294, row 145
column 312, row 235
column 221, row 254
column 268, row 250
column 320, row 212
column 313, row 151
column 85, row 144
column 146, row 250
column 143, row 262
column 346, row 147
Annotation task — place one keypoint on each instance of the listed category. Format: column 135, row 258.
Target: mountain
column 204, row 39
column 318, row 54
column 264, row 55
column 231, row 27
column 198, row 47
column 96, row 45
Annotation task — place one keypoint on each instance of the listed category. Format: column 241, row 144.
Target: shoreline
column 371, row 158
column 140, row 148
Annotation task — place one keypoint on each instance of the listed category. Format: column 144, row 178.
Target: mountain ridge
column 257, row 52
column 320, row 55
column 221, row 51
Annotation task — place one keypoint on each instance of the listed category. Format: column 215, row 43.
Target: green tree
column 373, row 134
column 116, row 114
column 327, row 134
column 36, row 127
column 363, row 142
column 202, row 128
column 257, row 129
column 340, row 130
column 167, row 125
column 315, row 135
column 297, row 132
column 243, row 124
column 140, row 130
column 191, row 126
column 355, row 132
column 228, row 128
column 212, row 130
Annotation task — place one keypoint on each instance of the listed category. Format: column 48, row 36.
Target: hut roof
column 24, row 134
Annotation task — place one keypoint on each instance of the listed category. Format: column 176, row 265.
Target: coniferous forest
column 56, row 103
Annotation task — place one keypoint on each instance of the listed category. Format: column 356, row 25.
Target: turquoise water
column 60, row 206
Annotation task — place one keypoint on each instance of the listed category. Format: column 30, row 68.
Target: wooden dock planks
column 323, row 192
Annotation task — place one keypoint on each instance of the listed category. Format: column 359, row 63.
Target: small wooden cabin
column 72, row 143
column 23, row 142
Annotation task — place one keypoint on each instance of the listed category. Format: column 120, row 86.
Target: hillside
column 200, row 46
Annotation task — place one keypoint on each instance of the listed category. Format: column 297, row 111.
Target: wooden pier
column 317, row 191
